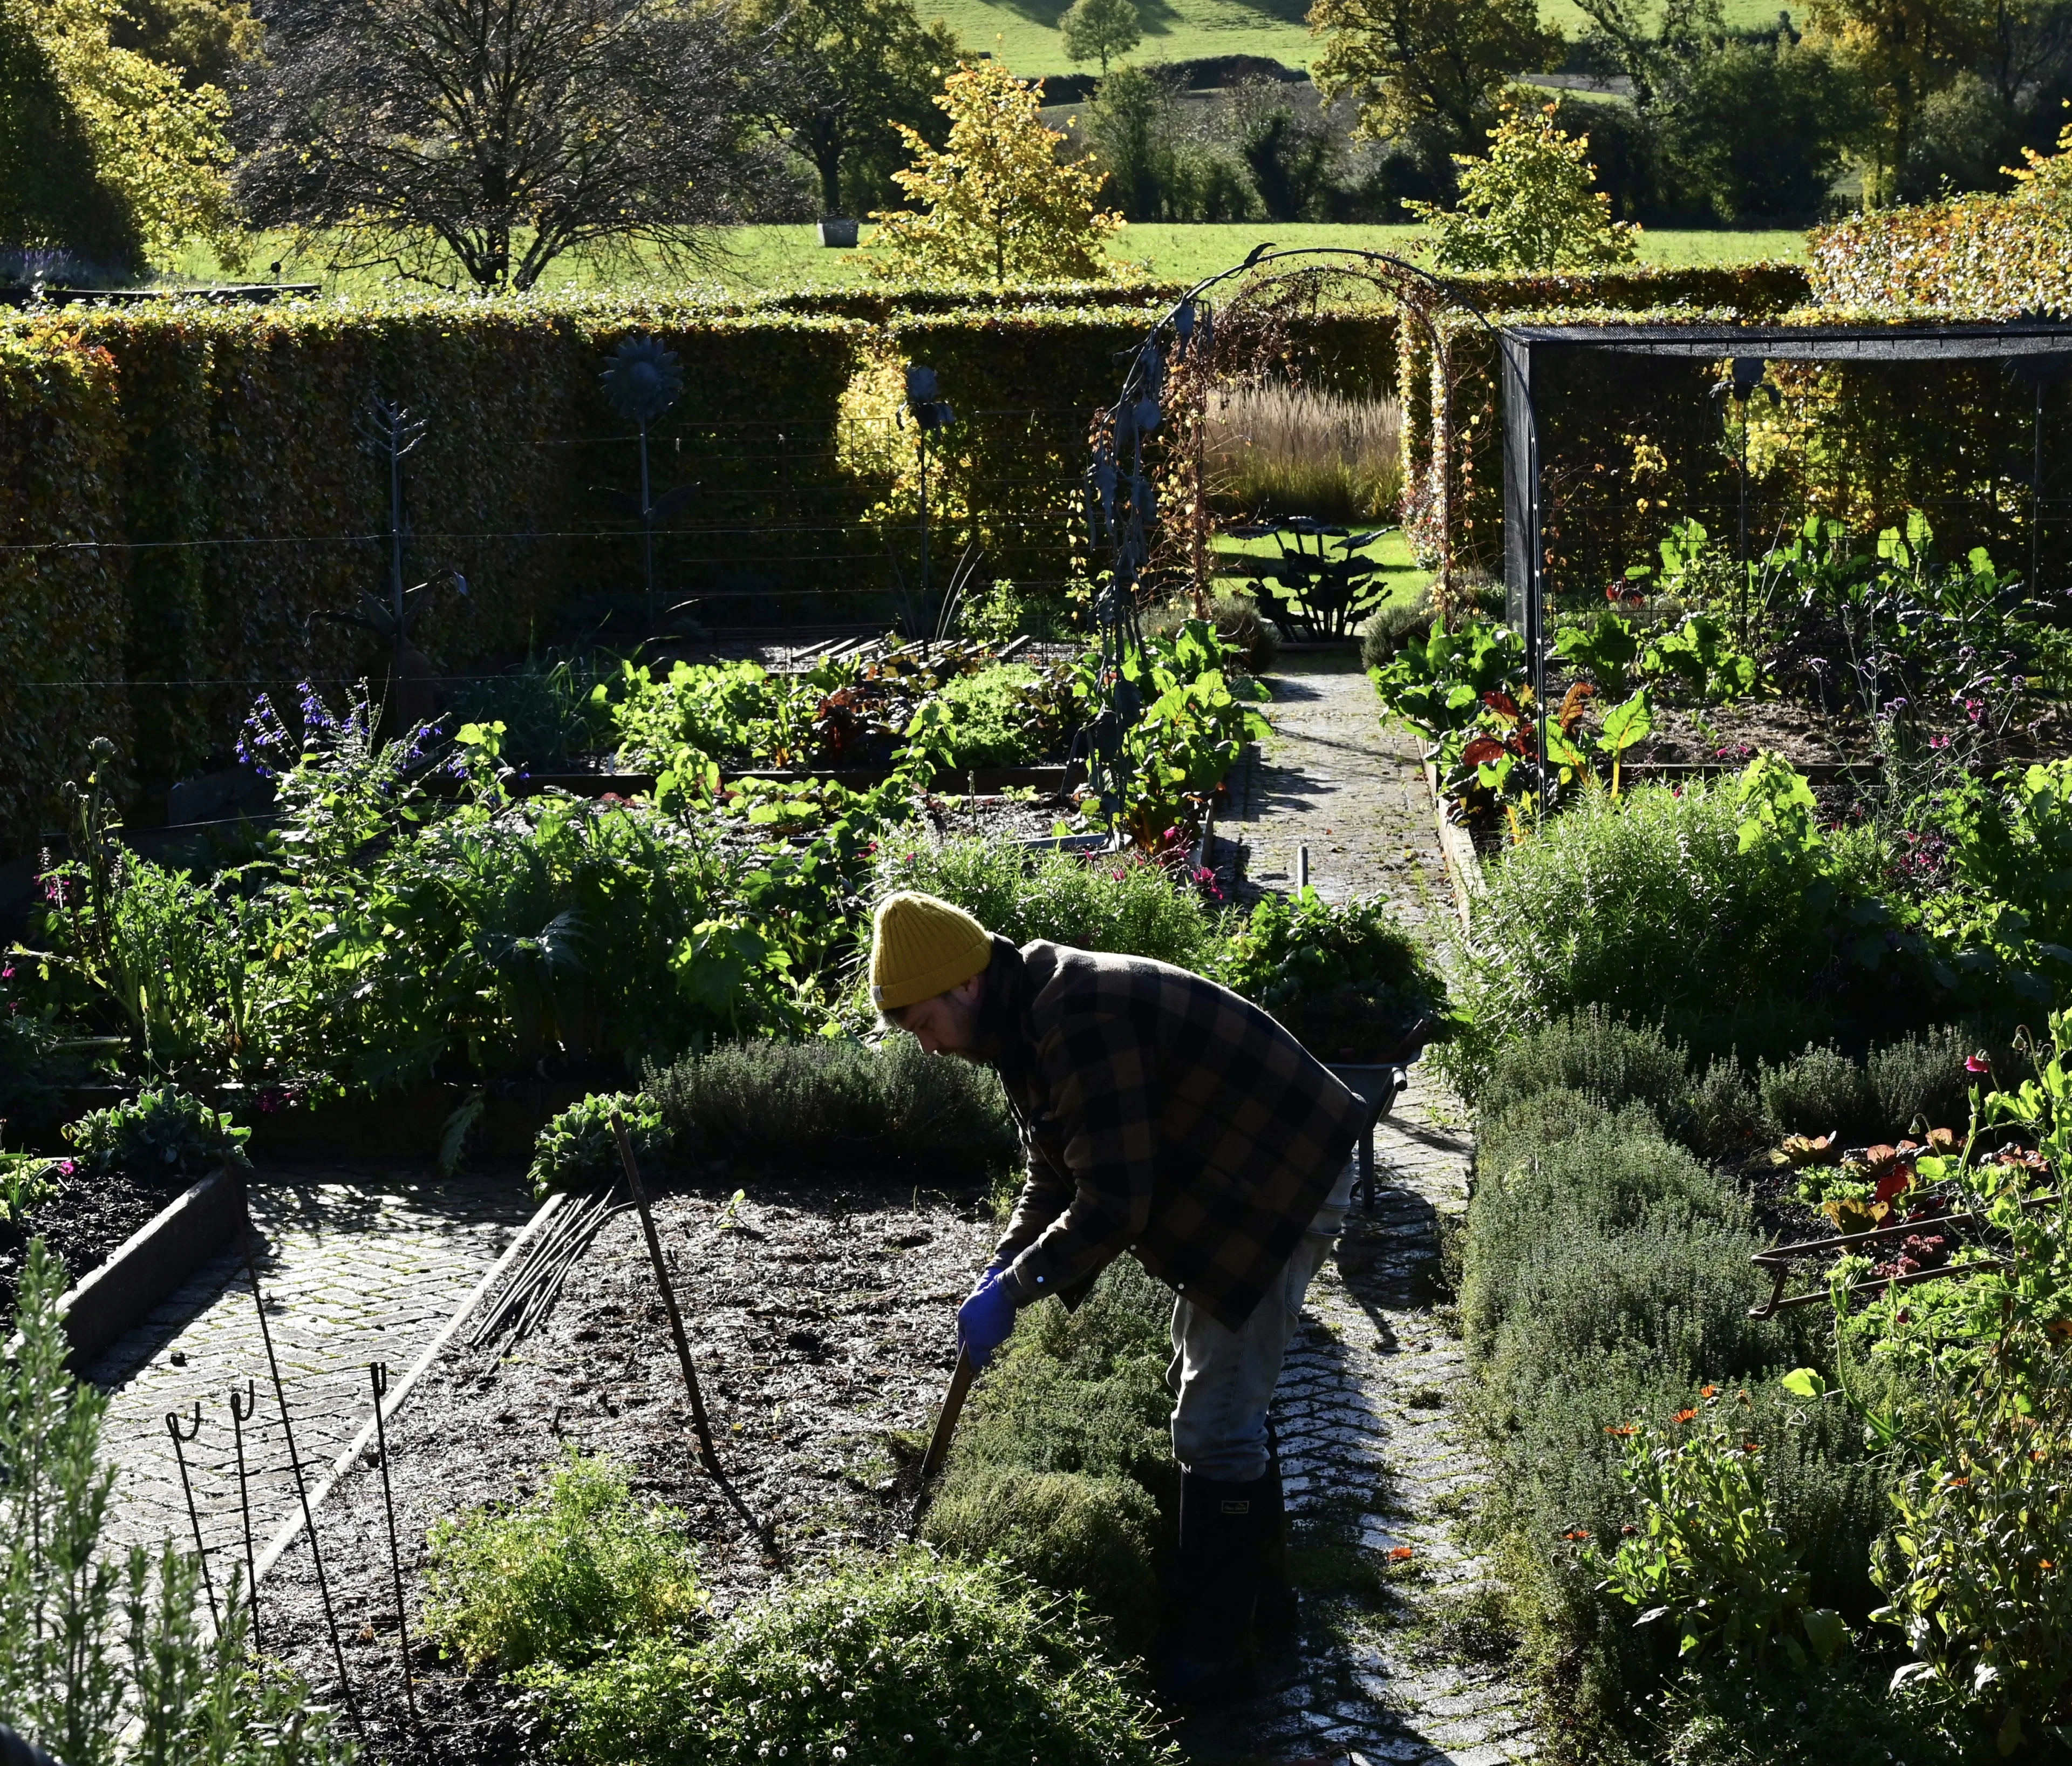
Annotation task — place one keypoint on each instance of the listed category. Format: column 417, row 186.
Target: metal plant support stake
column 930, row 414
column 302, row 1488
column 1747, row 381
column 394, row 432
column 708, row 1454
column 642, row 381
column 194, row 1516
column 378, row 1372
column 239, row 1415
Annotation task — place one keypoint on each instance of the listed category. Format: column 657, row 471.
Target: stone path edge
column 152, row 1262
column 297, row 1524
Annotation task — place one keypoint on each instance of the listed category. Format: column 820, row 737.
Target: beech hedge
column 187, row 499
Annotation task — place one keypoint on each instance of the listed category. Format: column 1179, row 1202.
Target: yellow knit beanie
column 920, row 947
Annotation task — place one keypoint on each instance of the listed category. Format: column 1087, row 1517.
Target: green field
column 769, row 260
column 1025, row 32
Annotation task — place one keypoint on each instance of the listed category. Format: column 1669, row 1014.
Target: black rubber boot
column 1277, row 1620
column 1203, row 1653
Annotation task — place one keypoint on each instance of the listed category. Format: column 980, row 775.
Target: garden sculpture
column 642, row 382
column 1166, row 1117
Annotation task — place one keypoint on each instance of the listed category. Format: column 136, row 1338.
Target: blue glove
column 985, row 1320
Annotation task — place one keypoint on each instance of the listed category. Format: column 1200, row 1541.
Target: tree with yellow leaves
column 1533, row 204
column 103, row 153
column 997, row 202
column 1904, row 51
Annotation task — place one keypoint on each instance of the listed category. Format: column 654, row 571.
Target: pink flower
column 7, row 973
column 67, row 1167
column 1977, row 1064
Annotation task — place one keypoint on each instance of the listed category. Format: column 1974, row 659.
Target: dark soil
column 820, row 1314
column 82, row 1221
column 1732, row 735
column 951, row 814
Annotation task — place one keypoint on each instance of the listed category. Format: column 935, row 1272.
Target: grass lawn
column 1404, row 578
column 777, row 257
column 767, row 260
column 1025, row 32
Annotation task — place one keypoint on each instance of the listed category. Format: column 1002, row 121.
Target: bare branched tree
column 477, row 140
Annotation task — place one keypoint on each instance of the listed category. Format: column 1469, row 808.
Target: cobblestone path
column 1331, row 779
column 359, row 1265
column 1402, row 1656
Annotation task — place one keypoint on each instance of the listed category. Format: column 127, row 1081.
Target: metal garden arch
column 1179, row 352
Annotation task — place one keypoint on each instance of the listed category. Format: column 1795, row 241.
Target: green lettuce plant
column 576, row 1148
column 1348, row 978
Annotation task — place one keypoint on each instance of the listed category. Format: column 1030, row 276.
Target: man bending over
column 1164, row 1116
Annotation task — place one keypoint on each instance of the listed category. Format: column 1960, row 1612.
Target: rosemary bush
column 1062, row 1464
column 890, row 1106
column 91, row 1637
column 1103, row 902
column 1606, row 1276
column 1651, row 907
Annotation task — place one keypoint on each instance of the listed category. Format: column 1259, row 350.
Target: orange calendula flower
column 1576, row 1532
column 1751, row 1446
column 2044, row 1563
column 1619, row 1428
column 1401, row 1555
column 1958, row 1483
column 1685, row 1416
column 1707, row 1391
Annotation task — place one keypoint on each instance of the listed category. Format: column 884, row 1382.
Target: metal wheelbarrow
column 1379, row 1084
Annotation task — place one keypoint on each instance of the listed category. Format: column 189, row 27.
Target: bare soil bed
column 820, row 1310
column 82, row 1221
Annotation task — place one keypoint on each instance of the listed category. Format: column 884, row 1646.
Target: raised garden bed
column 203, row 1221
column 82, row 1221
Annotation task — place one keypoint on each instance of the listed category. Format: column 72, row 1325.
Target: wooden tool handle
column 939, row 1443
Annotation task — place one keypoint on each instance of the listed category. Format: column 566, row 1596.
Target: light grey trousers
column 1225, row 1378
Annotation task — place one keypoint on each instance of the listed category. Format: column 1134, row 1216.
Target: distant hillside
column 1026, row 31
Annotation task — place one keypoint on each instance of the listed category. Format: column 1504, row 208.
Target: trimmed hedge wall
column 63, row 625
column 185, row 493
column 239, row 504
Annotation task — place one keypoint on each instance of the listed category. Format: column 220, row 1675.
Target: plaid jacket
column 1161, row 1115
